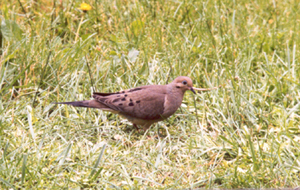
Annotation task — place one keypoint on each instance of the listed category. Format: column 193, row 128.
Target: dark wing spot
column 121, row 104
column 116, row 100
column 103, row 94
column 135, row 89
column 102, row 99
column 125, row 95
column 177, row 86
column 130, row 104
column 123, row 99
column 123, row 92
column 138, row 101
column 117, row 92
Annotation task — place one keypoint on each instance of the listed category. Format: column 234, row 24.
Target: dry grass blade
column 206, row 89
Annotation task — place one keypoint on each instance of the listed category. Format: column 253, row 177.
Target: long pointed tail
column 85, row 103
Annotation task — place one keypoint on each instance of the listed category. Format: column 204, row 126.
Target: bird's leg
column 146, row 127
column 136, row 127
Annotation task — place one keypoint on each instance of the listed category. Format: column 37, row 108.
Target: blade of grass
column 24, row 167
column 97, row 163
column 7, row 183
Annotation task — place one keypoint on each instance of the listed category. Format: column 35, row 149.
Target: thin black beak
column 191, row 88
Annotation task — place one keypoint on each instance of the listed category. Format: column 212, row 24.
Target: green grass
column 243, row 135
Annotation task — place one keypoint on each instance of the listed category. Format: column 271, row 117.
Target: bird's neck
column 175, row 94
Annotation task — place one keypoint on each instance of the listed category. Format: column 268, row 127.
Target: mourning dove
column 143, row 105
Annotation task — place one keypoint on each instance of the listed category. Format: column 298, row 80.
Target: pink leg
column 135, row 126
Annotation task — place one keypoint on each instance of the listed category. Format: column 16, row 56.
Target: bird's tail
column 85, row 103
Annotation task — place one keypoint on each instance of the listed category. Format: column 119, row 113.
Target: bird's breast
column 171, row 104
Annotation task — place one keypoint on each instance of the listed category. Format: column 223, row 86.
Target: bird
column 144, row 105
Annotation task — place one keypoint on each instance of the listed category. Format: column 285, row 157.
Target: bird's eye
column 184, row 82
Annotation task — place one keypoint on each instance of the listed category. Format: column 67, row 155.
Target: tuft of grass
column 243, row 135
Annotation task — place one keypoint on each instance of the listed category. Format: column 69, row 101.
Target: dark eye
column 184, row 82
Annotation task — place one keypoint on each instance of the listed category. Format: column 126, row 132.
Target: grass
column 243, row 135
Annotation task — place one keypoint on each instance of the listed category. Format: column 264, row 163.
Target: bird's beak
column 191, row 88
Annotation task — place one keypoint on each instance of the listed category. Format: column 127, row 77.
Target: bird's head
column 184, row 83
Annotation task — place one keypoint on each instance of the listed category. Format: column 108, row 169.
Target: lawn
column 246, row 134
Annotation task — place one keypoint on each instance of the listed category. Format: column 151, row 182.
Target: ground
column 243, row 135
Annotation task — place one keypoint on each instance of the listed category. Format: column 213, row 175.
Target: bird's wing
column 145, row 102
